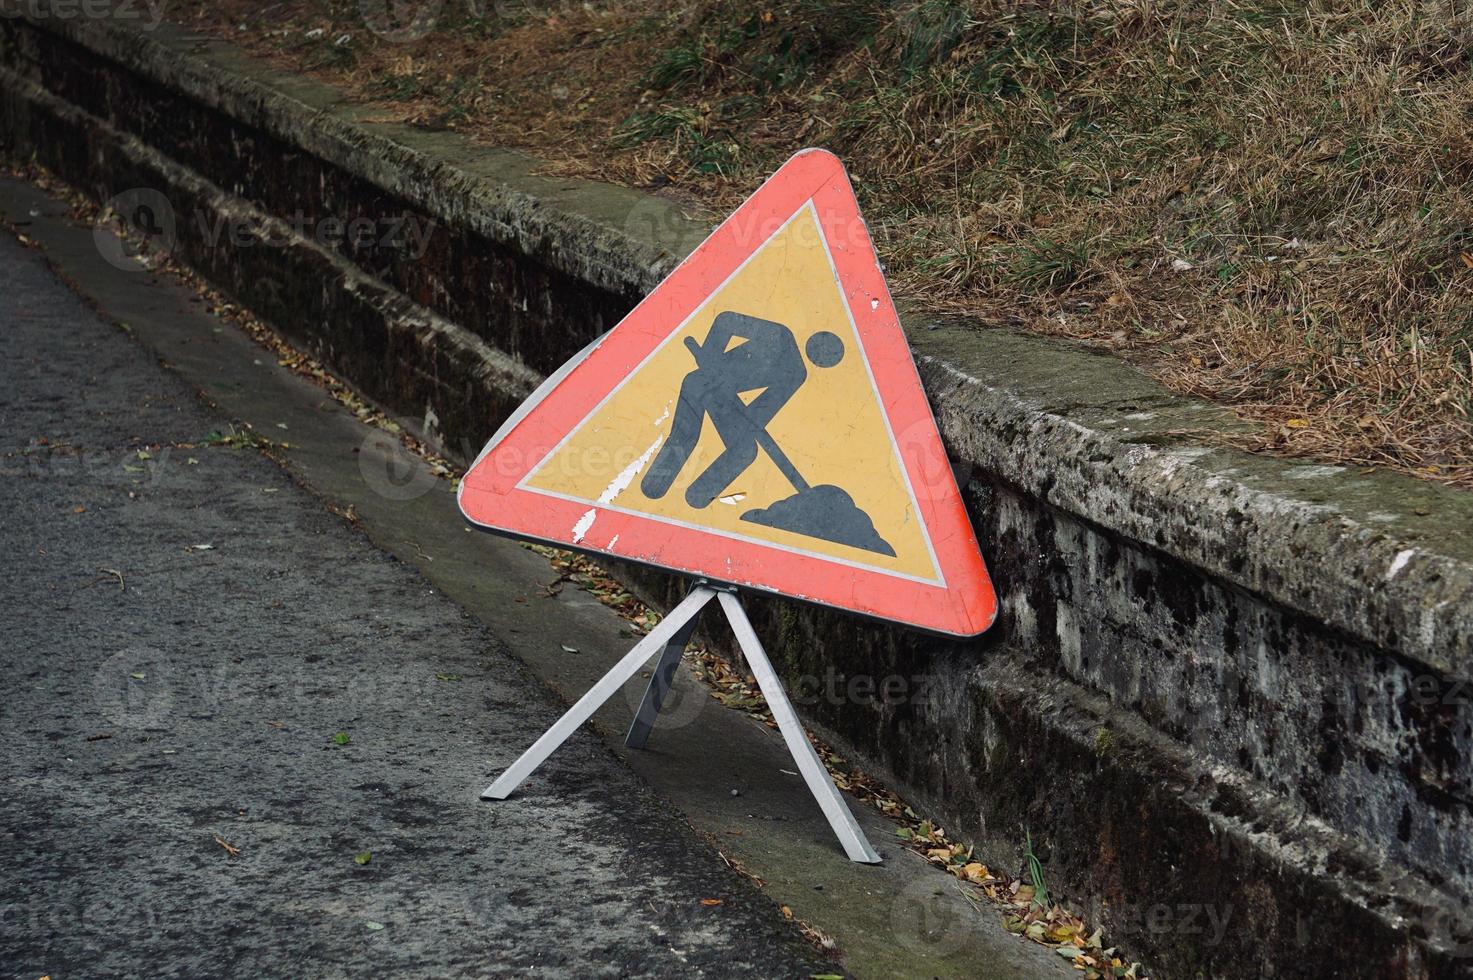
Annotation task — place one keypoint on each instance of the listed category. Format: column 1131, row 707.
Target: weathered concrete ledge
column 1251, row 670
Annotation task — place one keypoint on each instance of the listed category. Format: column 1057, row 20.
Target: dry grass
column 1266, row 204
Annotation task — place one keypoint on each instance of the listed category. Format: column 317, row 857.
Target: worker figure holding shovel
column 768, row 360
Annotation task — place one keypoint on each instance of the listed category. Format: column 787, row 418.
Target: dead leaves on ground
column 1053, row 926
column 299, row 362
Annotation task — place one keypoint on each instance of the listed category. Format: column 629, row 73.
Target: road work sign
column 757, row 421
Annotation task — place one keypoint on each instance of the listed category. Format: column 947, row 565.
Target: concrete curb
column 1270, row 620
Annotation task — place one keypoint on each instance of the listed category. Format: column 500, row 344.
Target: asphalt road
column 198, row 653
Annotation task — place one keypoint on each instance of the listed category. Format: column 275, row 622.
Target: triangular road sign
column 757, row 421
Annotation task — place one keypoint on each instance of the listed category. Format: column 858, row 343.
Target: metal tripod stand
column 669, row 639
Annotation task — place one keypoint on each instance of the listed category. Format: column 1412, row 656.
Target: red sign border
column 489, row 494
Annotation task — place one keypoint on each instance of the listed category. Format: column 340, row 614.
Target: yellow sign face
column 757, row 419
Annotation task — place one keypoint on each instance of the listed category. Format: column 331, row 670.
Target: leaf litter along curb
column 303, row 364
column 1050, row 925
column 1053, row 926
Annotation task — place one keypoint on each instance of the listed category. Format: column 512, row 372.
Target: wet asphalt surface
column 195, row 650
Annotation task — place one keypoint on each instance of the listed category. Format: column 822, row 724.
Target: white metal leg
column 856, row 845
column 657, row 639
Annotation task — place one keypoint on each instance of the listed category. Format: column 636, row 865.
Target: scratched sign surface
column 757, row 420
